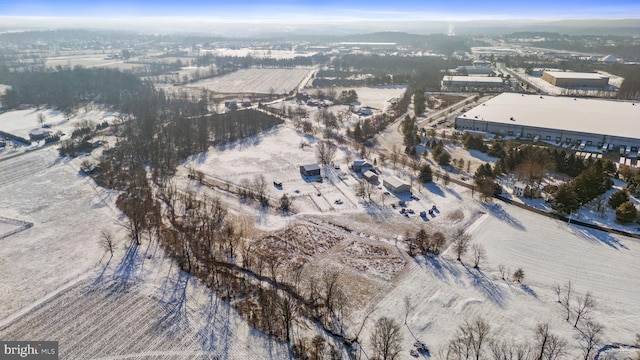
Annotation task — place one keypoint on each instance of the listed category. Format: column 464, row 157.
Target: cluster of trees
column 439, row 154
column 626, row 211
column 475, row 340
column 585, row 187
column 410, row 135
column 474, row 142
column 419, row 102
column 426, row 243
column 261, row 61
column 632, row 177
column 348, row 96
column 367, row 128
column 64, row 88
column 484, row 181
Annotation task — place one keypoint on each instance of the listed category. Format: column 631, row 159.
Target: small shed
column 361, row 165
column 519, row 188
column 310, row 170
column 370, row 176
column 396, row 185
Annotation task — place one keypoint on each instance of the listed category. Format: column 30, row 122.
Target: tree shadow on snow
column 125, row 273
column 528, row 290
column 498, row 211
column 208, row 334
column 598, row 236
column 377, row 212
column 486, row 286
column 434, row 189
column 174, row 303
column 441, row 268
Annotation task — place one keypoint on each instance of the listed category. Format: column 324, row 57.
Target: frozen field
column 256, row 81
column 257, row 53
column 88, row 61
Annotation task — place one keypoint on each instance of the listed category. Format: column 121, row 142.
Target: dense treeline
column 66, row 89
column 251, row 61
column 419, row 71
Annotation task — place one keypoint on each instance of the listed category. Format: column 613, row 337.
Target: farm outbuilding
column 310, row 170
column 370, row 176
column 396, row 185
column 361, row 165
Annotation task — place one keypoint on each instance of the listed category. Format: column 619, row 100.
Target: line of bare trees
column 475, row 340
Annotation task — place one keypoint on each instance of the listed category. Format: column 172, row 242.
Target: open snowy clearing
column 255, row 81
column 88, row 61
column 257, row 53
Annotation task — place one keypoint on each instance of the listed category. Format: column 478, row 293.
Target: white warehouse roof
column 473, row 79
column 606, row 117
column 575, row 75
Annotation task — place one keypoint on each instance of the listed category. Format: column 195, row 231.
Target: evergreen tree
column 618, row 198
column 626, row 213
column 565, row 200
column 426, row 175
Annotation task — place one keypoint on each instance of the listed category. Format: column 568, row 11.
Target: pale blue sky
column 282, row 10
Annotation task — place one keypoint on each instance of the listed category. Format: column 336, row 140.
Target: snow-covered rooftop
column 471, row 79
column 575, row 75
column 607, row 117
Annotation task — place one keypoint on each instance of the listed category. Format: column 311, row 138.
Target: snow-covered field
column 88, row 61
column 258, row 81
column 257, row 53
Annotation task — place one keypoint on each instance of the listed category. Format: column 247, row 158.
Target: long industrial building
column 473, row 82
column 570, row 79
column 560, row 120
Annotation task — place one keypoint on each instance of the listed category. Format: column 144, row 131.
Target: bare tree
column 41, row 118
column 287, row 309
column 408, row 308
column 285, row 204
column 386, row 339
column 518, row 275
column 470, row 340
column 550, row 346
column 509, row 350
column 566, row 301
column 589, row 337
column 330, row 283
column 107, row 242
column 479, row 255
column 586, row 304
column 325, row 152
column 461, row 244
column 558, row 290
column 503, row 271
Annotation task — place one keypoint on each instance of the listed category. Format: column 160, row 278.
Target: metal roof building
column 575, row 79
column 564, row 120
column 451, row 81
column 396, row 185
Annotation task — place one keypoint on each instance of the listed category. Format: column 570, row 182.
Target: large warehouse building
column 472, row 82
column 570, row 79
column 561, row 120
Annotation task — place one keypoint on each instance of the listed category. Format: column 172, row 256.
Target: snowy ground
column 257, row 53
column 56, row 282
column 258, row 81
